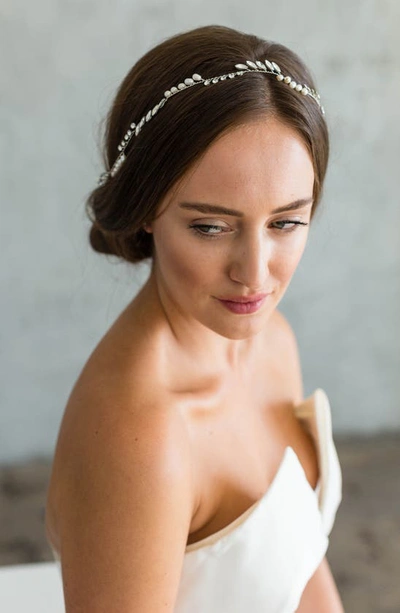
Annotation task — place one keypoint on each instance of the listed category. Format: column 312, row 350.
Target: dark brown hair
column 182, row 130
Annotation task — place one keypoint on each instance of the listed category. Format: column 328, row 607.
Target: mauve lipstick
column 243, row 304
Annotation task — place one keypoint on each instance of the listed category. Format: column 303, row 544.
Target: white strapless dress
column 262, row 561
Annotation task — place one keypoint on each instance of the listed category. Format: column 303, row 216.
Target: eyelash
column 195, row 228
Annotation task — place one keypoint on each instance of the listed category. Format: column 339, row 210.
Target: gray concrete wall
column 60, row 65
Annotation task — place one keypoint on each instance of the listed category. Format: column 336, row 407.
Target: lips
column 244, row 299
column 244, row 305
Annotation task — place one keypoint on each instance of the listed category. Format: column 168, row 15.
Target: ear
column 147, row 228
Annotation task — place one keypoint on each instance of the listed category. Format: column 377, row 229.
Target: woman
column 190, row 474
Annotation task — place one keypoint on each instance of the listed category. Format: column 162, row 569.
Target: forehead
column 260, row 161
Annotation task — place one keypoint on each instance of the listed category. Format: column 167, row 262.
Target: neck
column 207, row 350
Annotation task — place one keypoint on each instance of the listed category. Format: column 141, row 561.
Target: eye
column 293, row 223
column 207, row 230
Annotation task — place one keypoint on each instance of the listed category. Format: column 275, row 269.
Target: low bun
column 110, row 232
column 133, row 249
column 99, row 242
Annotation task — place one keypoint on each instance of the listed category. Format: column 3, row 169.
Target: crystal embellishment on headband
column 257, row 66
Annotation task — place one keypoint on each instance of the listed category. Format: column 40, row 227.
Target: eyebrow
column 203, row 207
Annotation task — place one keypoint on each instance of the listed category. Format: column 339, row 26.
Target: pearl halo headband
column 196, row 79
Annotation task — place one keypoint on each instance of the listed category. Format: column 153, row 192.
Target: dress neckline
column 310, row 406
column 227, row 530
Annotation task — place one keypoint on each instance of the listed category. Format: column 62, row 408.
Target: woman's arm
column 321, row 594
column 126, row 513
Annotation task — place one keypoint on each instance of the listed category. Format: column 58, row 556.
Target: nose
column 249, row 264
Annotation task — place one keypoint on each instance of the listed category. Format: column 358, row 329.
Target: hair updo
column 182, row 131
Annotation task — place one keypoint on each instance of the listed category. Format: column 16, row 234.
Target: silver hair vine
column 258, row 66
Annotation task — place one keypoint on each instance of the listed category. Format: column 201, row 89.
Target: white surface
column 31, row 588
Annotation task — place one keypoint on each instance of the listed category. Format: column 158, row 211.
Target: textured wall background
column 61, row 63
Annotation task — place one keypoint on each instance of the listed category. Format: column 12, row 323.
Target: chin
column 241, row 329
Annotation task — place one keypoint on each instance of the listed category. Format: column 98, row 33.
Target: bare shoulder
column 123, row 500
column 286, row 348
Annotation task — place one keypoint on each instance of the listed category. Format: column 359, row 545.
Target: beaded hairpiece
column 196, row 79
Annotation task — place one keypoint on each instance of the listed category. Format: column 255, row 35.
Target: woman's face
column 221, row 235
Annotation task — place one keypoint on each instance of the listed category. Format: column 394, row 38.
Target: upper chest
column 238, row 443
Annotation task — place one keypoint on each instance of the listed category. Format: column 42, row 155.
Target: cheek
column 286, row 257
column 179, row 262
